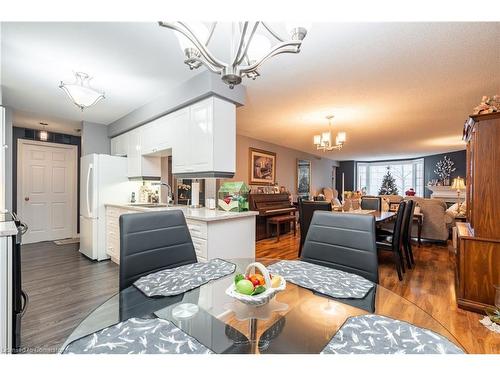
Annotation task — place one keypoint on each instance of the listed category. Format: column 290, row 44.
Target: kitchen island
column 215, row 233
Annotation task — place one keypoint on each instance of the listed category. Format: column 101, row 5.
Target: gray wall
column 286, row 165
column 195, row 89
column 458, row 157
column 95, row 139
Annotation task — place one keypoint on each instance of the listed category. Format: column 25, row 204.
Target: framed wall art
column 262, row 167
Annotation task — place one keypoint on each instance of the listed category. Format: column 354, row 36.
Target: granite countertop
column 202, row 214
column 7, row 228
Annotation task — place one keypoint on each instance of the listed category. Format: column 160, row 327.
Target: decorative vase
column 446, row 182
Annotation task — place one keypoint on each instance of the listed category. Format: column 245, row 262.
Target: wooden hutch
column 478, row 255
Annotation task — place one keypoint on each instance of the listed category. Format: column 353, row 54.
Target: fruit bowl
column 263, row 297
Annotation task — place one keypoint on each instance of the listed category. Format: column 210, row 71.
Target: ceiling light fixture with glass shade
column 250, row 48
column 324, row 142
column 80, row 92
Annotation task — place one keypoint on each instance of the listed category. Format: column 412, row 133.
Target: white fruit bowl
column 259, row 299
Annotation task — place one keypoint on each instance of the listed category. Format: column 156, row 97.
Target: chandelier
column 249, row 49
column 80, row 92
column 323, row 141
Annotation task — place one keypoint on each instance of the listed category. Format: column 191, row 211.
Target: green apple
column 244, row 287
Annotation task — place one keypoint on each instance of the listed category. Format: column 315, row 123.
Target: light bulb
column 258, row 48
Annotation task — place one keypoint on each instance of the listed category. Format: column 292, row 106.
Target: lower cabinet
column 231, row 238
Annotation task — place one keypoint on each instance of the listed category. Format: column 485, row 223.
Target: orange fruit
column 261, row 279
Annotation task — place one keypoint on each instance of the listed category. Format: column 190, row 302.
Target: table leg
column 278, row 232
column 267, row 229
column 294, row 228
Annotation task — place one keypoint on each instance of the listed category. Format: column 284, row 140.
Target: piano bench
column 278, row 220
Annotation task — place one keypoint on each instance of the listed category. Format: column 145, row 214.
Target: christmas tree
column 388, row 185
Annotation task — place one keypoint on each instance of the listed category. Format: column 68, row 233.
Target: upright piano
column 269, row 205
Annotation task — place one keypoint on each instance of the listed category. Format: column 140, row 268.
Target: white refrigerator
column 103, row 179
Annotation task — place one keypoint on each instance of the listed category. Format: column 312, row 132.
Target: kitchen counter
column 201, row 214
column 215, row 234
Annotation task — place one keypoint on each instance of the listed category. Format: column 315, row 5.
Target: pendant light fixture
column 324, row 141
column 251, row 45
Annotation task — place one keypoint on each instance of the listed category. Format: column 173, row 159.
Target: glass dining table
column 296, row 321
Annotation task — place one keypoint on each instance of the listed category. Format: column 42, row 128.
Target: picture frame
column 261, row 167
column 304, row 178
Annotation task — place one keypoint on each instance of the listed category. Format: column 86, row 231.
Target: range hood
column 207, row 174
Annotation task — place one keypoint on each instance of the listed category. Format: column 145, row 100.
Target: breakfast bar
column 215, row 233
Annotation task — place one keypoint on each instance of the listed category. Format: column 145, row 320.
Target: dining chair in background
column 394, row 242
column 371, row 203
column 151, row 242
column 386, row 234
column 306, row 211
column 409, row 212
column 346, row 242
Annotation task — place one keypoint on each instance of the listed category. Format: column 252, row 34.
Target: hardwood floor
column 64, row 287
column 430, row 285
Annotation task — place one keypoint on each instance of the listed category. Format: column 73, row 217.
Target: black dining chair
column 346, row 242
column 386, row 234
column 371, row 203
column 394, row 242
column 151, row 242
column 409, row 212
column 306, row 211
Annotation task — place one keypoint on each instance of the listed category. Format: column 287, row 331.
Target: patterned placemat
column 329, row 281
column 376, row 334
column 138, row 336
column 173, row 281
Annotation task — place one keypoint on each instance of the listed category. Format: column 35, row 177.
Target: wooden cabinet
column 478, row 255
column 139, row 165
column 119, row 145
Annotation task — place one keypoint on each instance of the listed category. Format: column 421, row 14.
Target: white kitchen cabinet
column 139, row 165
column 119, row 145
column 162, row 133
column 207, row 141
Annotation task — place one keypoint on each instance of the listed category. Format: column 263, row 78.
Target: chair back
column 306, row 211
column 153, row 241
column 346, row 242
column 407, row 225
column 371, row 203
column 398, row 227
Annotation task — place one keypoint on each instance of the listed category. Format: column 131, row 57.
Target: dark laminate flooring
column 63, row 287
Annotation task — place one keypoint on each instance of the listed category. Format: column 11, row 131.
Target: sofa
column 437, row 221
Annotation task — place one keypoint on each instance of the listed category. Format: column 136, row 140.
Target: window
column 407, row 173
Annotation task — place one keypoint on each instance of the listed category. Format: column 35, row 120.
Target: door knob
column 26, row 198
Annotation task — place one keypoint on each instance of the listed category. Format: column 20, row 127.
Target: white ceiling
column 397, row 89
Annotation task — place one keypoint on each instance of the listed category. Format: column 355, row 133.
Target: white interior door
column 46, row 193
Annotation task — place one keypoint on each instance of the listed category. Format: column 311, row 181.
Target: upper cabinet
column 119, row 145
column 206, row 143
column 201, row 137
column 139, row 165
